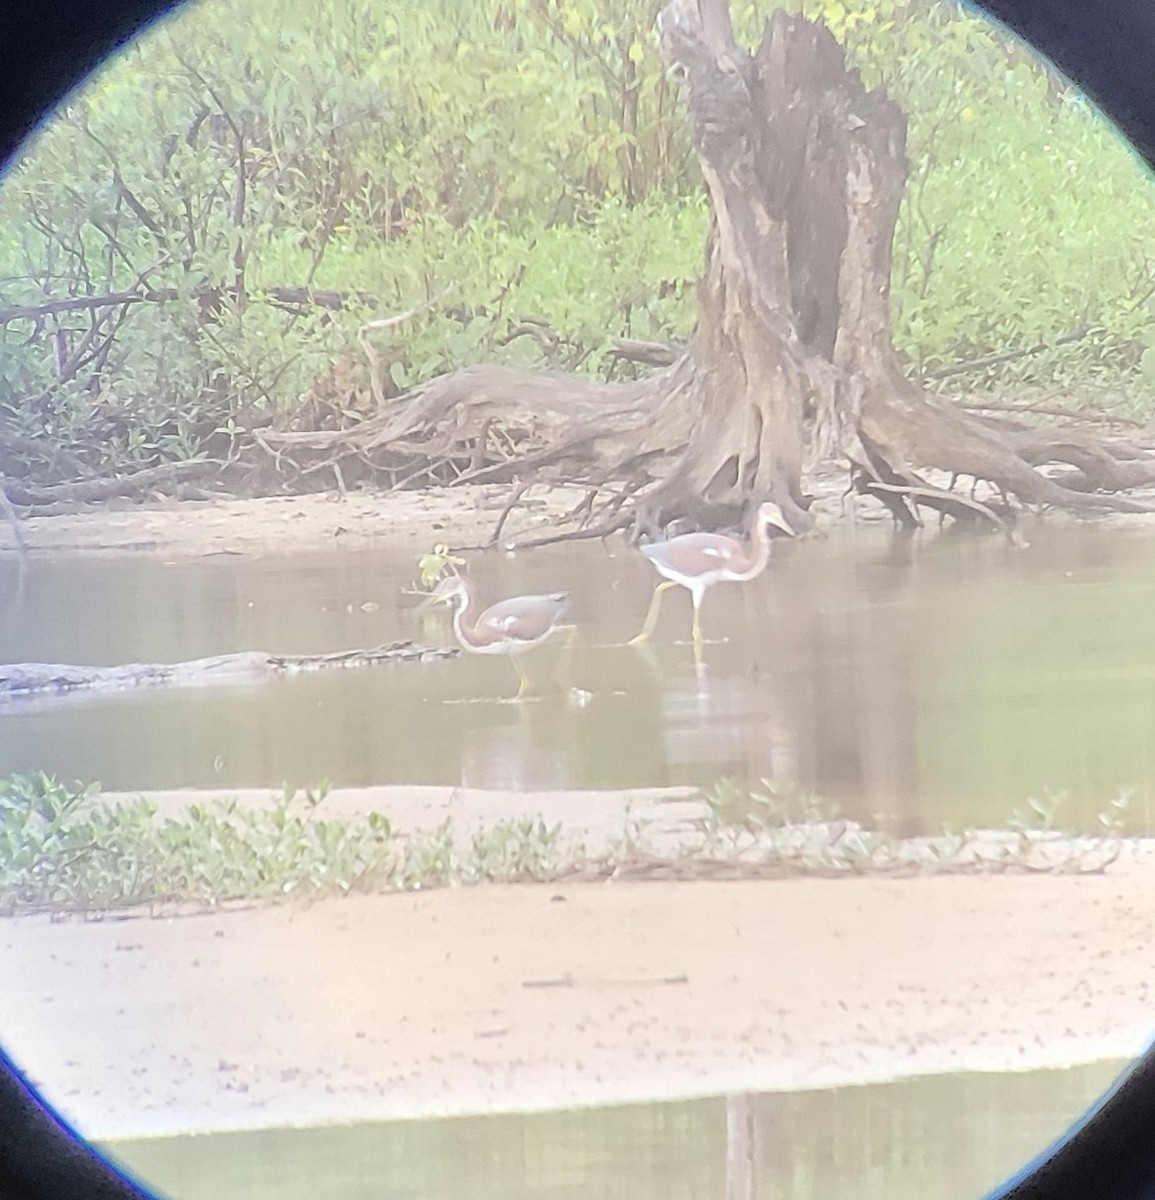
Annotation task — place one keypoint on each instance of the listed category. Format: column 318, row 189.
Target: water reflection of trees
column 922, row 680
column 940, row 1136
column 837, row 672
column 878, row 697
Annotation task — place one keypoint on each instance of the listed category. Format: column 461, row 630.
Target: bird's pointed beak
column 773, row 515
column 435, row 599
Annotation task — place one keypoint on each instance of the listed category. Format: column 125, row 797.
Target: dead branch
column 1079, row 415
column 376, row 366
column 299, row 296
column 649, row 354
column 1006, row 356
column 513, row 501
column 586, row 532
column 543, row 333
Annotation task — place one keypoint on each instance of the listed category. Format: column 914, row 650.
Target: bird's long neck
column 757, row 551
column 464, row 614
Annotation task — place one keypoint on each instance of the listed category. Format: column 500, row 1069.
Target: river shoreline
column 498, row 998
column 464, row 516
column 517, row 997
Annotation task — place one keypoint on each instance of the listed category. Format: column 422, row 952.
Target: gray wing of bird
column 693, row 553
column 522, row 618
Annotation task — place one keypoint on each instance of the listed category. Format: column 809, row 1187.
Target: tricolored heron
column 697, row 561
column 508, row 627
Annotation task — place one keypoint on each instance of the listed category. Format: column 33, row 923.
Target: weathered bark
column 814, row 226
column 490, row 424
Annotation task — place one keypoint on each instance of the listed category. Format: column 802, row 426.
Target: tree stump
column 806, row 171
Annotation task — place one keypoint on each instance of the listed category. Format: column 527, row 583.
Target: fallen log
column 90, row 491
column 25, row 681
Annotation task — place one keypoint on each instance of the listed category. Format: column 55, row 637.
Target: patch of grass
column 779, row 828
column 62, row 848
column 65, row 849
column 774, row 804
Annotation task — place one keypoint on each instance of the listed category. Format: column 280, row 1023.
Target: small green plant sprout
column 1113, row 819
column 1040, row 815
column 434, row 565
column 43, row 798
column 777, row 803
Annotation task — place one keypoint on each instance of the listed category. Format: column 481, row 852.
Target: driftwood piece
column 87, row 491
column 26, row 681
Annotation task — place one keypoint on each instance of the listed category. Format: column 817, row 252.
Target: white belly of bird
column 703, row 579
column 502, row 647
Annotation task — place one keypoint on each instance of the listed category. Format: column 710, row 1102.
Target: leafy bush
column 62, row 848
column 485, row 163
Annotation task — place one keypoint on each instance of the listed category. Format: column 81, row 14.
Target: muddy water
column 915, row 681
column 925, row 1139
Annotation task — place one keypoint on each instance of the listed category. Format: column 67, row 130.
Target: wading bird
column 508, row 627
column 697, row 561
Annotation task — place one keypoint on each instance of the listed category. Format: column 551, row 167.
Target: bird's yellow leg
column 522, row 677
column 698, row 641
column 647, row 629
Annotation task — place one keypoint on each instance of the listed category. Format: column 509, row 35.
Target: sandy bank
column 464, row 516
column 505, row 997
column 295, row 524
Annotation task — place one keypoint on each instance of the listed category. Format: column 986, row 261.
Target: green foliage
column 773, row 805
column 432, row 566
column 1042, row 813
column 525, row 849
column 778, row 829
column 62, row 848
column 531, row 161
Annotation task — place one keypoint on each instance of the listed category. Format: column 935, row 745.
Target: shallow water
column 914, row 681
column 924, row 1139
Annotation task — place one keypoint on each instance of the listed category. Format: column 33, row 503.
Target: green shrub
column 502, row 159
